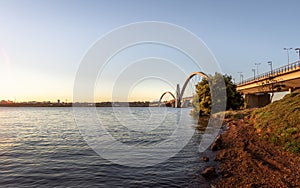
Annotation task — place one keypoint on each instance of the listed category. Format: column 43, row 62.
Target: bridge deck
column 280, row 79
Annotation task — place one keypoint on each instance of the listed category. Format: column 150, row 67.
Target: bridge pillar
column 257, row 100
column 291, row 90
column 178, row 97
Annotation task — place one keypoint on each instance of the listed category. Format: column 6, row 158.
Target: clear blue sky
column 43, row 42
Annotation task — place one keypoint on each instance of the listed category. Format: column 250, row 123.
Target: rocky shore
column 246, row 160
column 259, row 147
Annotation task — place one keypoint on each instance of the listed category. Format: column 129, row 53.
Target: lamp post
column 298, row 51
column 253, row 70
column 271, row 66
column 288, row 54
column 257, row 67
column 241, row 77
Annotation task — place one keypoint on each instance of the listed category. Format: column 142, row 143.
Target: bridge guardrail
column 275, row 72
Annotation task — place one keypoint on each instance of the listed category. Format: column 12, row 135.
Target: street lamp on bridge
column 253, row 70
column 298, row 51
column 288, row 53
column 271, row 66
column 241, row 76
column 257, row 67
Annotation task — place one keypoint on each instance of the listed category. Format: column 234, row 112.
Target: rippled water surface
column 43, row 147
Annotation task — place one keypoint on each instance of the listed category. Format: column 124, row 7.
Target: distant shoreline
column 100, row 104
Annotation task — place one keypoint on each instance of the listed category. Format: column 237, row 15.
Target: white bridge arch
column 179, row 94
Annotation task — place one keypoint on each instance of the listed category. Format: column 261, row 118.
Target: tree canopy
column 202, row 102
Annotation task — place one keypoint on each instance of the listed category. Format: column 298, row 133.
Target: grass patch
column 237, row 114
column 279, row 122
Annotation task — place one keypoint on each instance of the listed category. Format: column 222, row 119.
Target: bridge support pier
column 178, row 97
column 257, row 100
column 291, row 90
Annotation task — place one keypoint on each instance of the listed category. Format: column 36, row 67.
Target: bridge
column 178, row 98
column 257, row 89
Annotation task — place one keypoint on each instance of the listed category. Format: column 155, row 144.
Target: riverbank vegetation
column 279, row 122
column 203, row 99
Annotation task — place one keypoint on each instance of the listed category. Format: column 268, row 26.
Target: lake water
column 43, row 147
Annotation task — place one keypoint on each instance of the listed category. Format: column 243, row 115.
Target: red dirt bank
column 249, row 161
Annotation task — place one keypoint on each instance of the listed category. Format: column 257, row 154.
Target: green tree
column 203, row 99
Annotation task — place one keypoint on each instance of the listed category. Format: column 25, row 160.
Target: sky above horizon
column 43, row 42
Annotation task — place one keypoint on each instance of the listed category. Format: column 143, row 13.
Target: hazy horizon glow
column 43, row 42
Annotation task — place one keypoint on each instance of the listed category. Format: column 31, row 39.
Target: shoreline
column 246, row 160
